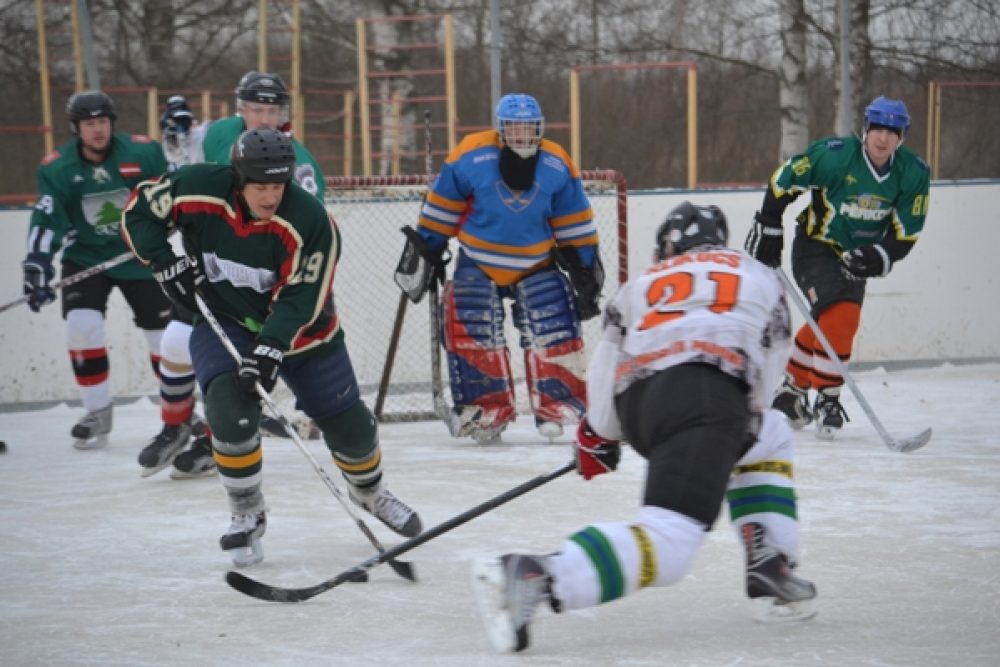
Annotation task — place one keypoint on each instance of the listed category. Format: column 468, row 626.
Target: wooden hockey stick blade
column 267, row 592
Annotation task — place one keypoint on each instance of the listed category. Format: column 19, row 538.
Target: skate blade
column 149, row 472
column 83, row 444
column 247, row 556
column 769, row 610
column 488, row 588
column 180, row 474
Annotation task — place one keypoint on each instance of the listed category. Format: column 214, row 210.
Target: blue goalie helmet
column 520, row 122
column 889, row 113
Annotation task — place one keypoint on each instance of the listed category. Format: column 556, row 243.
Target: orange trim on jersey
column 518, row 250
column 572, row 218
column 473, row 141
column 445, row 203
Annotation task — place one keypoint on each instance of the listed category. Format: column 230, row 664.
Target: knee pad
column 233, row 415
column 543, row 312
column 174, row 345
column 85, row 329
column 607, row 561
column 762, row 489
column 352, row 434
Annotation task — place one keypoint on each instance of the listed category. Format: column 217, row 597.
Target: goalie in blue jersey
column 517, row 206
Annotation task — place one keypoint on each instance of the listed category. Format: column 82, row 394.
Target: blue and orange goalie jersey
column 508, row 233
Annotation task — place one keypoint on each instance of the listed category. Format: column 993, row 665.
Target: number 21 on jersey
column 668, row 295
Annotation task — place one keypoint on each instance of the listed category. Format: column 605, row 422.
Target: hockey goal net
column 370, row 210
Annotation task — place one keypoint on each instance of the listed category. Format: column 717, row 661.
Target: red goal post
column 370, row 211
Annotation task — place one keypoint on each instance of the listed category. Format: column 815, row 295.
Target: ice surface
column 101, row 567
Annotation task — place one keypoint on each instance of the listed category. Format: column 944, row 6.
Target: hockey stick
column 909, row 444
column 441, row 408
column 390, row 356
column 403, row 569
column 76, row 277
column 262, row 591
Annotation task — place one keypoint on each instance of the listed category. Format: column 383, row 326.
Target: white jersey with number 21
column 710, row 305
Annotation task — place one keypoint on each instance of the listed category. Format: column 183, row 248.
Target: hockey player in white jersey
column 690, row 355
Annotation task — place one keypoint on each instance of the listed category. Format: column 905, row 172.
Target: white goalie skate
column 242, row 540
column 91, row 432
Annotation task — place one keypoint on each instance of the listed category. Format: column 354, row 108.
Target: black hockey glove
column 38, row 272
column 870, row 261
column 765, row 240
column 180, row 278
column 261, row 366
column 595, row 455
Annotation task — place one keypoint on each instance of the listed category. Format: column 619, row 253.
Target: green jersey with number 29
column 274, row 277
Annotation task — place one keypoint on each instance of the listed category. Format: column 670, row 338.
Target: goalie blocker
column 418, row 266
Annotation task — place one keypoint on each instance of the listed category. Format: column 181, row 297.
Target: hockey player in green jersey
column 262, row 101
column 868, row 202
column 82, row 188
column 264, row 253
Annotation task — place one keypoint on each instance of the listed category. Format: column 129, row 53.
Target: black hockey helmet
column 689, row 226
column 263, row 155
column 263, row 88
column 89, row 104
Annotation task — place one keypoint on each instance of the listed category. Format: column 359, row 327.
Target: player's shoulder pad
column 474, row 142
column 556, row 157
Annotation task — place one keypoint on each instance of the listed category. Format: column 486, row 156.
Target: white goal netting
column 370, row 212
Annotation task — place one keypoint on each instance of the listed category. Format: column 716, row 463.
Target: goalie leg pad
column 478, row 358
column 553, row 347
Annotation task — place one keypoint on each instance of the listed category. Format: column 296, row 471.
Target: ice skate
column 387, row 508
column 242, row 540
column 508, row 589
column 830, row 414
column 197, row 460
column 91, row 432
column 160, row 453
column 777, row 594
column 793, row 402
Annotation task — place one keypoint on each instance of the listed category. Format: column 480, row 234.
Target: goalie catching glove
column 418, row 266
column 595, row 455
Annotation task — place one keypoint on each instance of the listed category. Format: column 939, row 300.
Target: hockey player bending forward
column 690, row 354
column 263, row 251
column 516, row 203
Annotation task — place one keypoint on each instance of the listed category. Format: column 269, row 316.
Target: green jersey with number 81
column 852, row 205
column 274, row 277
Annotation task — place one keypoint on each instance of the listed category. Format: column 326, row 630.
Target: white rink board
column 940, row 303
